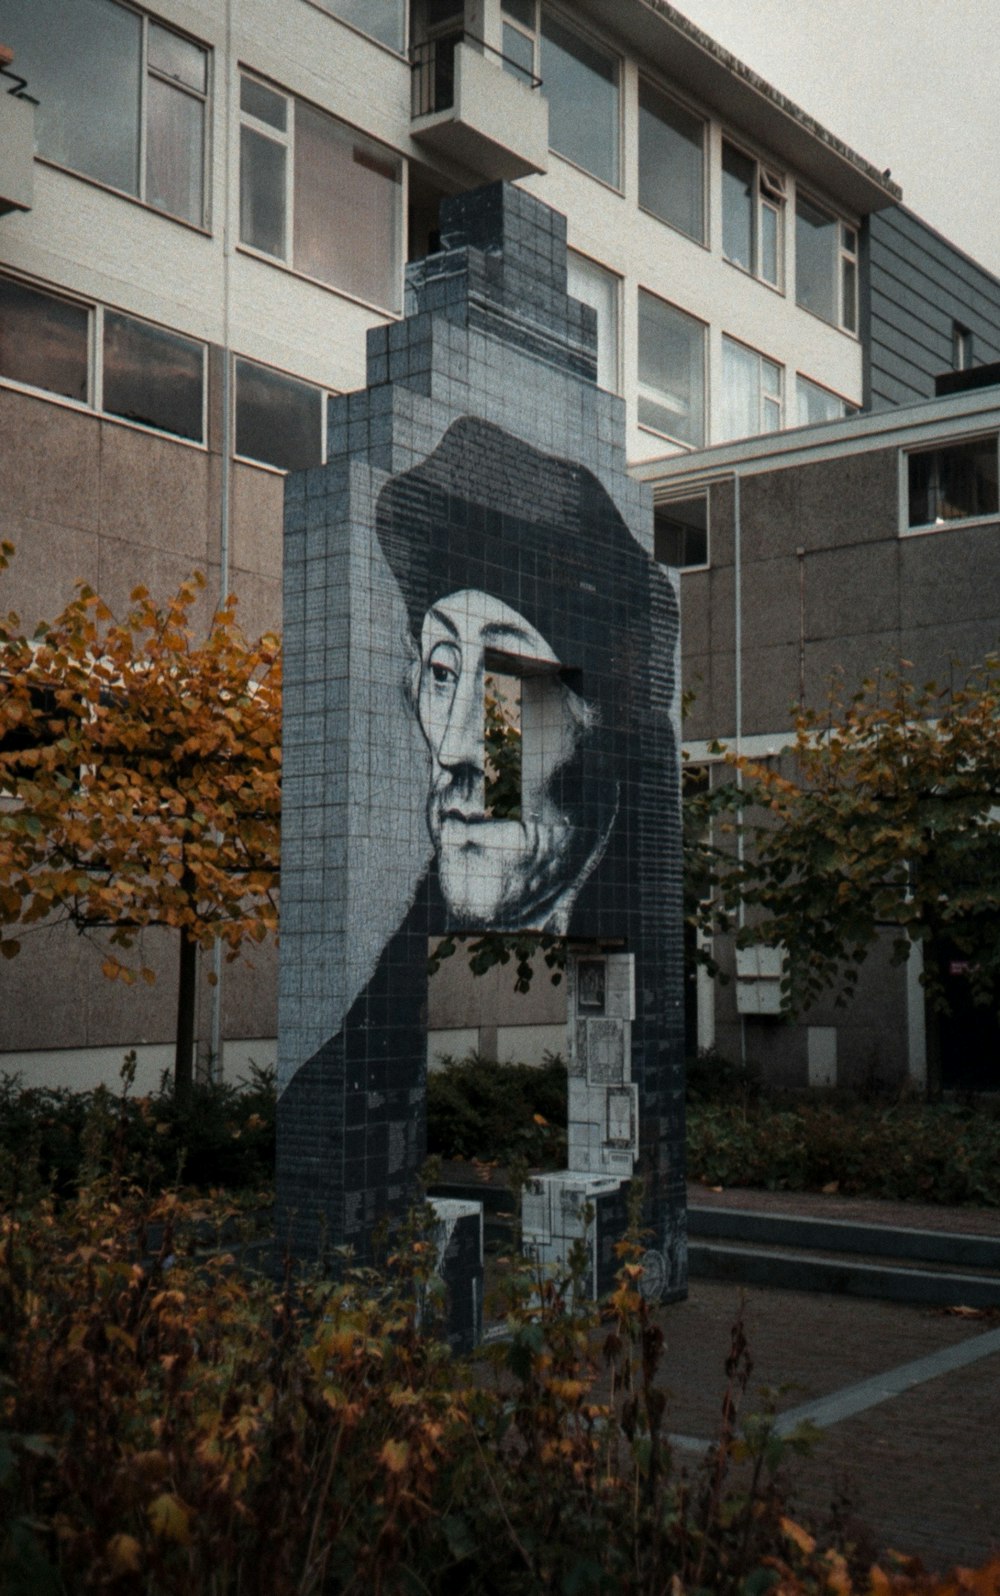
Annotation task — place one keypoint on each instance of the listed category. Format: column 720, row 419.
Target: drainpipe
column 738, row 699
column 225, row 481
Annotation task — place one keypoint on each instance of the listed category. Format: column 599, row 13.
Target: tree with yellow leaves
column 140, row 776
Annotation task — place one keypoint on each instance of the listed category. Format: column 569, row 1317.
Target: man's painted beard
column 501, row 875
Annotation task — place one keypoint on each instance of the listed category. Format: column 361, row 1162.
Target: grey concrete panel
column 950, row 573
column 852, row 590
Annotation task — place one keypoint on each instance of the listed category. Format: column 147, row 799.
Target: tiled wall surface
column 480, row 477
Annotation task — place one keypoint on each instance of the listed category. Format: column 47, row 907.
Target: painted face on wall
column 499, row 873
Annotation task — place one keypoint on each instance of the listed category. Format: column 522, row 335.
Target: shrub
column 477, row 1108
column 221, row 1135
column 173, row 1424
column 945, row 1153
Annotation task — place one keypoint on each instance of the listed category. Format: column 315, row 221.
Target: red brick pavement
column 921, row 1470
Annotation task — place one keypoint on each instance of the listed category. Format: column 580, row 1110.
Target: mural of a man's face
column 497, row 873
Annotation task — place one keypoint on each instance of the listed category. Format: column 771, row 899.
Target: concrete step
column 798, row 1271
column 835, row 1235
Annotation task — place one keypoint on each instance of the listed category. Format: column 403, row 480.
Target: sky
column 909, row 84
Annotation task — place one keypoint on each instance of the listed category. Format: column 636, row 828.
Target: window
column 120, row 98
column 520, row 37
column 680, row 532
column 598, row 287
column 826, row 265
column 961, row 347
column 954, row 482
column 671, row 371
column 44, row 341
column 384, row 20
column 753, row 208
column 751, row 392
column 318, row 195
column 671, row 162
column 153, row 376
column 580, row 81
column 279, row 420
column 817, row 404
column 142, row 373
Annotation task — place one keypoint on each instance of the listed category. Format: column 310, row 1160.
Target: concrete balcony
column 17, row 142
column 469, row 109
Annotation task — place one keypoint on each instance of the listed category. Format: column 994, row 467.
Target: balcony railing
column 12, row 84
column 432, row 67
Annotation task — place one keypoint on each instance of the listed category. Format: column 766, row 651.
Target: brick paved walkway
column 921, row 1469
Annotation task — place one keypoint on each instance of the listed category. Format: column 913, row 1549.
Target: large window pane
column 43, row 340
column 177, row 58
column 278, row 420
column 518, row 52
column 671, row 371
column 671, row 162
column 262, row 192
column 347, row 209
column 152, row 376
column 82, row 59
column 738, row 179
column 380, row 19
column 953, row 483
column 740, row 390
column 818, row 404
column 174, row 173
column 599, row 288
column 816, row 257
column 581, row 85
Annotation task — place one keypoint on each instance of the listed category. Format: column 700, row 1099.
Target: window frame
column 958, row 523
column 662, row 501
column 763, row 396
column 355, row 27
column 769, row 195
column 691, row 110
column 845, row 255
column 617, row 284
column 286, row 140
column 325, row 394
column 94, row 403
column 571, row 25
column 658, row 432
column 532, row 34
column 138, row 196
column 801, row 380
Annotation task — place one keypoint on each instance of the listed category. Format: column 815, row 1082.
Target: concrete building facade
column 204, row 208
column 837, row 549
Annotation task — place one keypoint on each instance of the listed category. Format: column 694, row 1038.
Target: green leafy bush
column 943, row 1153
column 477, row 1108
column 222, row 1135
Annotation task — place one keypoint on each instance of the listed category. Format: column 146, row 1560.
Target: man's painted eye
column 444, row 662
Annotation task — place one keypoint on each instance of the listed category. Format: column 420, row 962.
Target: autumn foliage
column 171, row 1422
column 882, row 819
column 140, row 772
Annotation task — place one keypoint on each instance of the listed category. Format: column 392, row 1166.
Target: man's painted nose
column 463, row 740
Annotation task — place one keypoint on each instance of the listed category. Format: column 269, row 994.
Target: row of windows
column 671, row 400
column 124, row 100
column 130, row 368
column 581, row 82
column 139, row 372
column 941, row 486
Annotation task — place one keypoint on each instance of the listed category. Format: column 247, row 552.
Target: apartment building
column 838, row 548
column 205, row 205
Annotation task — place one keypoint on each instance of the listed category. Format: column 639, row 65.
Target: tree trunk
column 186, row 993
